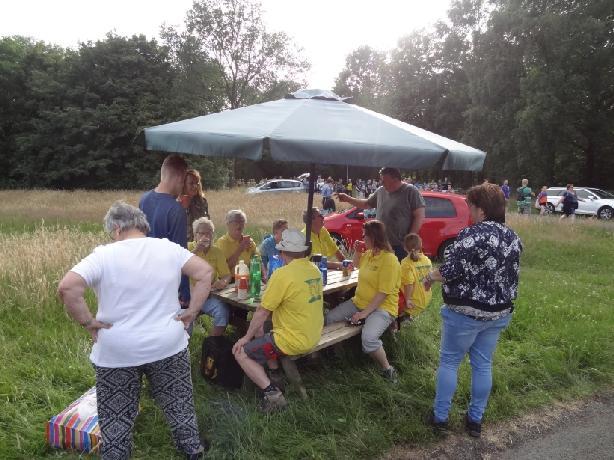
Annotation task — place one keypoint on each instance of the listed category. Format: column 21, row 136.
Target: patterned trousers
column 118, row 391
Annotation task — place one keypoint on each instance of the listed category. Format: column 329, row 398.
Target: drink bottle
column 242, row 280
column 324, row 269
column 255, row 277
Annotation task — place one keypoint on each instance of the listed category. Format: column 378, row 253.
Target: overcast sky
column 327, row 30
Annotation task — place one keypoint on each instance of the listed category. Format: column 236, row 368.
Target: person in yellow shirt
column 321, row 241
column 377, row 294
column 202, row 246
column 234, row 244
column 414, row 269
column 294, row 298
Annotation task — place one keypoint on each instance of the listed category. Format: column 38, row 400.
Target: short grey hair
column 203, row 221
column 123, row 216
column 235, row 215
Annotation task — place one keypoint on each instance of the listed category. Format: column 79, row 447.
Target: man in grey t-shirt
column 400, row 207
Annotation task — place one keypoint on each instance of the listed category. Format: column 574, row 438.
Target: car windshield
column 602, row 193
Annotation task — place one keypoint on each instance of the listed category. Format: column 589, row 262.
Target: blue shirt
column 326, row 190
column 267, row 249
column 481, row 270
column 506, row 191
column 167, row 219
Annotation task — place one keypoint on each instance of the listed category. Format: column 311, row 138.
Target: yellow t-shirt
column 378, row 273
column 229, row 245
column 323, row 243
column 294, row 295
column 215, row 258
column 415, row 273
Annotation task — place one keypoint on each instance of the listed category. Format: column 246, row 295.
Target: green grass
column 557, row 347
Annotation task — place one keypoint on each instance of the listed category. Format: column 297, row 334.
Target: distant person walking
column 542, row 201
column 505, row 188
column 524, row 197
column 327, row 190
column 570, row 203
column 400, row 207
column 167, row 219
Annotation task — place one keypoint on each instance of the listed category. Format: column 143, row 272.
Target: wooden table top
column 335, row 282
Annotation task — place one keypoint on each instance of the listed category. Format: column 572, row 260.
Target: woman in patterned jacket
column 480, row 282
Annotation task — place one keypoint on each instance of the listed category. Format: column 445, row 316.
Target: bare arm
column 200, row 271
column 361, row 203
column 417, row 219
column 71, row 290
column 408, row 291
column 376, row 301
column 256, row 324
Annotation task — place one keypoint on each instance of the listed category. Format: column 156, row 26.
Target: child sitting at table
column 267, row 248
column 414, row 268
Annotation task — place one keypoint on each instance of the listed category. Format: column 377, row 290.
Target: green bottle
column 255, row 277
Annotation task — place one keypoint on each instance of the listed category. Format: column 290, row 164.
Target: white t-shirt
column 136, row 282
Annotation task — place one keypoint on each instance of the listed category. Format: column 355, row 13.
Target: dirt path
column 579, row 430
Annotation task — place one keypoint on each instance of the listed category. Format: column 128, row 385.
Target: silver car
column 277, row 186
column 596, row 202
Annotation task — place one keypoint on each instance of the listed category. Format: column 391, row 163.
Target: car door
column 440, row 223
column 587, row 206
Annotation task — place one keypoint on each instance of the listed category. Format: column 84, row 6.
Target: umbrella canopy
column 317, row 127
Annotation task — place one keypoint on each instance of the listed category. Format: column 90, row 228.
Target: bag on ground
column 218, row 365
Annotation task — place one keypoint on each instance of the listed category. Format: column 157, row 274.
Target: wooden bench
column 331, row 335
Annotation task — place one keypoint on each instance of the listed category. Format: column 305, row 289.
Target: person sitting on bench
column 294, row 297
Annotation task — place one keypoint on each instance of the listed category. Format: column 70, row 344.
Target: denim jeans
column 461, row 335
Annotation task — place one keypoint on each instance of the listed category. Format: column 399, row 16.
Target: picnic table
column 331, row 334
column 336, row 282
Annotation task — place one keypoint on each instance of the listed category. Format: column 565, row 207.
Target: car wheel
column 605, row 213
column 339, row 242
column 550, row 207
column 444, row 250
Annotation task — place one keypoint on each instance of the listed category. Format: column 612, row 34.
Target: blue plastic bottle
column 324, row 270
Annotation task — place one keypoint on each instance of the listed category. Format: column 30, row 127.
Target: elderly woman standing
column 480, row 282
column 234, row 244
column 137, row 329
column 193, row 200
column 202, row 246
column 377, row 294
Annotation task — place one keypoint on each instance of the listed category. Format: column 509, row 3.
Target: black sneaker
column 438, row 427
column 391, row 375
column 474, row 429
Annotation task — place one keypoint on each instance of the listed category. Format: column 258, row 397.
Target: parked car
column 596, row 202
column 277, row 186
column 446, row 215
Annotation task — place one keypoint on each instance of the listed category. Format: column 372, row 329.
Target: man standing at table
column 399, row 206
column 294, row 298
column 167, row 219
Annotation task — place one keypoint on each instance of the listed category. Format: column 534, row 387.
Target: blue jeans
column 461, row 335
column 218, row 310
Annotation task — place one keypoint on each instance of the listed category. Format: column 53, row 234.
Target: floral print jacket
column 482, row 268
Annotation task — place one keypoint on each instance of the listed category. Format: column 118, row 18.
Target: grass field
column 558, row 346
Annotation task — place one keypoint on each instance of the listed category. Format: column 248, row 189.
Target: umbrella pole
column 311, row 190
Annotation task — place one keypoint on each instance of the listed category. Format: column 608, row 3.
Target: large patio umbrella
column 315, row 127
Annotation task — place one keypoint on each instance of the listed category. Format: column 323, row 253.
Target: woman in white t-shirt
column 137, row 329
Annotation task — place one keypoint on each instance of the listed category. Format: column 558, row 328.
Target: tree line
column 530, row 82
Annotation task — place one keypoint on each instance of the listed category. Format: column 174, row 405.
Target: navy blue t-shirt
column 167, row 219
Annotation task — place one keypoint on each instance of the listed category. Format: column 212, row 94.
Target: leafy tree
column 364, row 78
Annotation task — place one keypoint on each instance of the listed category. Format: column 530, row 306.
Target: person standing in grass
column 414, row 269
column 480, row 283
column 167, row 219
column 193, row 200
column 542, row 201
column 294, row 298
column 137, row 330
column 505, row 188
column 570, row 203
column 377, row 295
column 524, row 198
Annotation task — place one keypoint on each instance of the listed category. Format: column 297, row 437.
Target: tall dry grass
column 90, row 206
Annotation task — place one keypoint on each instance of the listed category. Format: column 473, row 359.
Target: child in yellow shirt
column 414, row 269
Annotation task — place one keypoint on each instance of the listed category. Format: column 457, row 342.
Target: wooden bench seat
column 332, row 334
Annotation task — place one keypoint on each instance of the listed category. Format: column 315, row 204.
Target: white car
column 596, row 202
column 277, row 186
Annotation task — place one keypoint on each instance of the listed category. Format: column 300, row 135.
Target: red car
column 446, row 215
